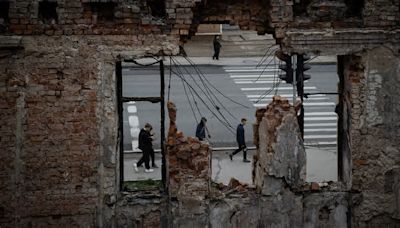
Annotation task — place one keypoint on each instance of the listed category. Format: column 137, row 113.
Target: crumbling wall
column 189, row 174
column 249, row 15
column 142, row 209
column 281, row 157
column 371, row 124
column 326, row 27
column 59, row 127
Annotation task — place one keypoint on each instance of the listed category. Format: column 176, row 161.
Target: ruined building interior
column 59, row 131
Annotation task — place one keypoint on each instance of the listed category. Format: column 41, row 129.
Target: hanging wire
column 265, row 56
column 225, row 124
column 188, row 99
column 209, row 98
column 142, row 64
column 275, row 85
column 208, row 90
column 312, row 59
column 266, row 66
column 216, row 89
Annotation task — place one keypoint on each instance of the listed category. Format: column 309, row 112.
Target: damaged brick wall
column 58, row 113
column 248, row 15
column 59, row 127
column 189, row 172
column 371, row 124
column 326, row 27
column 235, row 205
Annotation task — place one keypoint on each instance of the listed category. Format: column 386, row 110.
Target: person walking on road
column 217, row 47
column 146, row 145
column 153, row 163
column 240, row 139
column 201, row 129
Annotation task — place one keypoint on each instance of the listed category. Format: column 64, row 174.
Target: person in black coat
column 217, row 47
column 240, row 139
column 146, row 145
column 201, row 129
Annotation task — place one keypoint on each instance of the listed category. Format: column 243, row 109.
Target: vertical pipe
column 118, row 74
column 294, row 65
column 300, row 91
column 162, row 95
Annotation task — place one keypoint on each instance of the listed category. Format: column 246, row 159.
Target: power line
column 262, row 60
column 227, row 125
column 204, row 82
column 190, row 104
column 216, row 89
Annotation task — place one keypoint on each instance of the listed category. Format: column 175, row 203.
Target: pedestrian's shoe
column 135, row 167
column 245, row 160
column 231, row 156
column 155, row 166
column 149, row 170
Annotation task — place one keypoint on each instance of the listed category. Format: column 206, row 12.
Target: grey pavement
column 321, row 166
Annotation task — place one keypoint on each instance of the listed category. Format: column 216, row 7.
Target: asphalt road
column 223, row 115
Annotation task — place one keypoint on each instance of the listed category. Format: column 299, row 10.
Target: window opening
column 157, row 7
column 321, row 123
column 48, row 12
column 99, row 12
column 300, row 7
column 4, row 9
column 140, row 103
column 355, row 8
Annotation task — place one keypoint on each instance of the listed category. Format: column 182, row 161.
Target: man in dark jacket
column 217, row 47
column 201, row 129
column 146, row 145
column 240, row 139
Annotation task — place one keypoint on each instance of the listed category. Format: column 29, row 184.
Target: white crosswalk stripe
column 280, row 88
column 320, row 120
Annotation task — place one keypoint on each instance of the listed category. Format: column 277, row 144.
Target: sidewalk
column 245, row 61
column 223, row 169
column 321, row 166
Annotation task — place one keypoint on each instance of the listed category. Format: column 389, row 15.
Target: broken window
column 157, row 7
column 4, row 8
column 300, row 7
column 48, row 12
column 354, row 8
column 141, row 113
column 100, row 12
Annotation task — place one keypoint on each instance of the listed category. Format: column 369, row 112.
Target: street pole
column 294, row 65
column 300, row 91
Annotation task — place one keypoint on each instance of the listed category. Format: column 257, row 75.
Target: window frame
column 121, row 100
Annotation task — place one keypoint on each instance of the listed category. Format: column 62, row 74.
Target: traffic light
column 287, row 67
column 301, row 68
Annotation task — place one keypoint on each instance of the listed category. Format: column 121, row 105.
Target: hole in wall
column 355, row 8
column 157, row 8
column 48, row 12
column 4, row 9
column 99, row 12
column 300, row 7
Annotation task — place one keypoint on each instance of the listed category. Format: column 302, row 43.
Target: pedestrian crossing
column 320, row 120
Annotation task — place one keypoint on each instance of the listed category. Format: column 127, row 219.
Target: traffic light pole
column 294, row 61
column 301, row 67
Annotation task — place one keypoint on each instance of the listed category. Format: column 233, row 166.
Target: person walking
column 240, row 139
column 153, row 163
column 146, row 145
column 217, row 47
column 201, row 129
